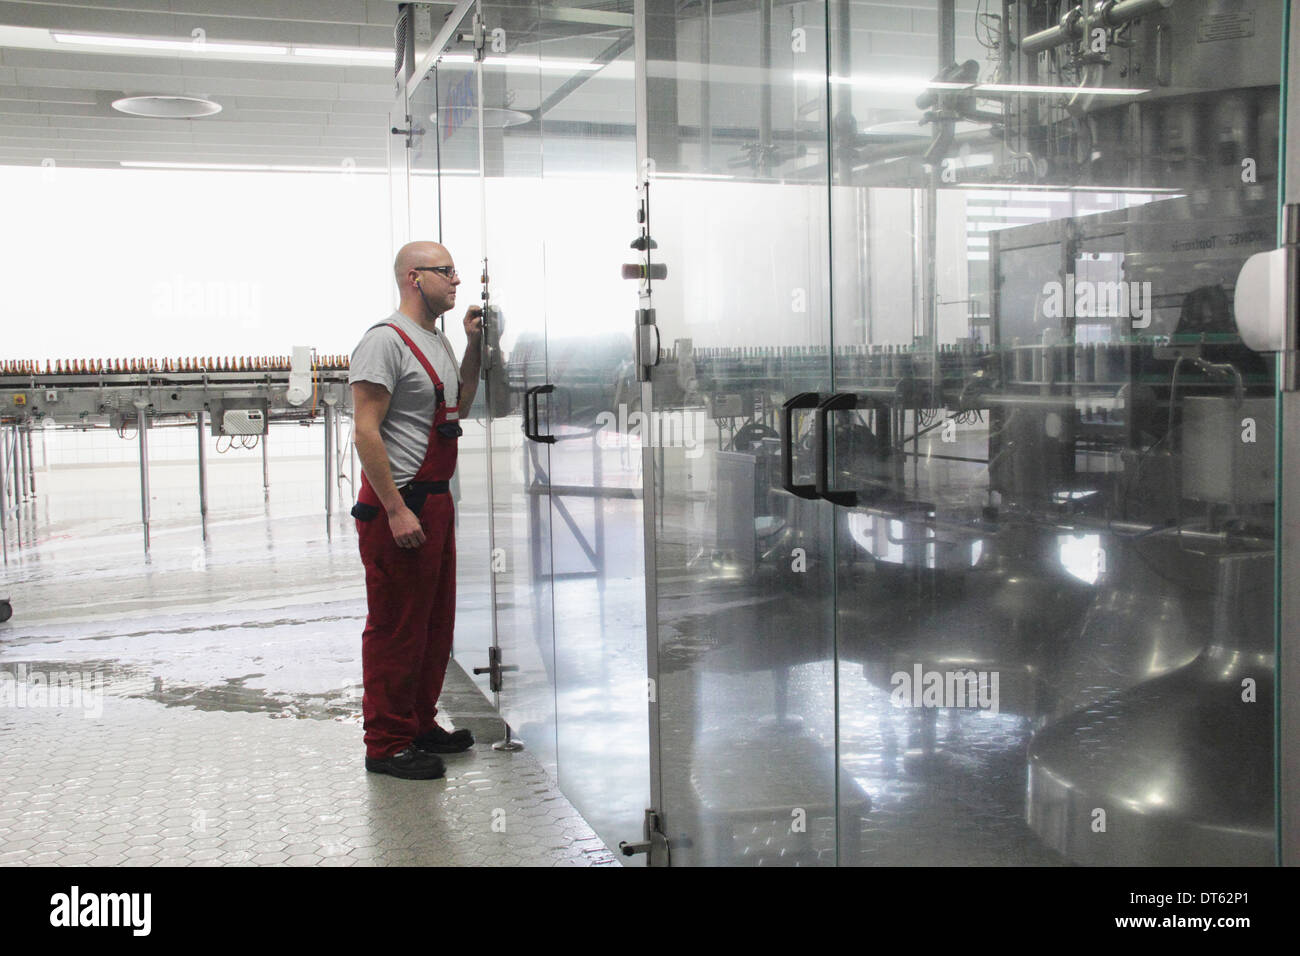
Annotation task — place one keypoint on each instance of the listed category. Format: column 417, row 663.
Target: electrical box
column 243, row 421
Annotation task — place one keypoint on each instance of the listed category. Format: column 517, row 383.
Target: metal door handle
column 528, row 411
column 530, row 401
column 802, row 400
column 840, row 401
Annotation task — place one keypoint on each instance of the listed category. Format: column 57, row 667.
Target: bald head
column 416, row 254
column 425, row 294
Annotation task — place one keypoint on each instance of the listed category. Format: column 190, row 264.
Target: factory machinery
column 233, row 396
column 1076, row 494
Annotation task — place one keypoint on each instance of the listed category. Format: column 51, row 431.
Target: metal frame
column 440, row 42
column 1287, row 706
column 648, row 500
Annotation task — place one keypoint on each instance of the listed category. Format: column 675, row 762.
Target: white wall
column 105, row 262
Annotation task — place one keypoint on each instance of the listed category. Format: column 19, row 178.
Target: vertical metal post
column 1287, row 706
column 508, row 741
column 765, row 143
column 662, row 101
column 266, row 465
column 20, row 448
column 15, row 466
column 4, row 497
column 31, row 462
column 329, row 472
column 706, row 107
column 4, row 454
column 947, row 33
column 203, row 476
column 338, row 454
column 142, row 429
column 352, row 456
column 598, row 502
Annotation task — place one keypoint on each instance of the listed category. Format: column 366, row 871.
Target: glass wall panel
column 1054, row 561
column 446, row 189
column 588, row 202
column 517, row 322
column 738, row 209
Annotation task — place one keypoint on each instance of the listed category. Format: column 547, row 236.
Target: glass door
column 447, row 205
column 588, row 201
column 1051, row 451
column 521, row 457
column 735, row 172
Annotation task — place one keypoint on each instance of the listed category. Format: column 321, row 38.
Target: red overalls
column 410, row 593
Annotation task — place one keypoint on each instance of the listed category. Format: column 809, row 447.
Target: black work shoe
column 409, row 764
column 439, row 741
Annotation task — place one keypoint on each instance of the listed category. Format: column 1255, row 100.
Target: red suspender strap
column 437, row 382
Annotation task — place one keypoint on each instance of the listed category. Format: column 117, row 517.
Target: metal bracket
column 480, row 38
column 408, row 132
column 495, row 669
column 1290, row 367
column 654, row 842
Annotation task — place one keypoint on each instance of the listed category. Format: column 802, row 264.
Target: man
column 408, row 394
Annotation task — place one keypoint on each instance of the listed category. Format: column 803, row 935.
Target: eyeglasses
column 447, row 272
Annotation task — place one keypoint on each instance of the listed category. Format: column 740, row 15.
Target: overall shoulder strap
column 415, row 349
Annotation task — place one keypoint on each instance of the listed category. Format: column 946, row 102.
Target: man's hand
column 473, row 321
column 406, row 528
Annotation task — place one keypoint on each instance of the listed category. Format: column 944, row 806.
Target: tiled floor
column 216, row 719
column 147, row 784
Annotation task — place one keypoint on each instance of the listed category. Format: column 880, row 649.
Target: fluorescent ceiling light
column 659, row 175
column 195, row 47
column 182, row 46
column 525, row 62
column 249, row 167
column 344, row 53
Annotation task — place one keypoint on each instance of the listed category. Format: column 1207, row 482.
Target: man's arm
column 470, row 365
column 369, row 406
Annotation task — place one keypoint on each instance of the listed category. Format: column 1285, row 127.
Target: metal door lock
column 495, row 669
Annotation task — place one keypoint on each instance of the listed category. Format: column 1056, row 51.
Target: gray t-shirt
column 383, row 358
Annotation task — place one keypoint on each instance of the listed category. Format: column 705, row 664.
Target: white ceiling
column 54, row 98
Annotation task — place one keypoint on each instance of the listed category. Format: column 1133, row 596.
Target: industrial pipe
column 1071, row 27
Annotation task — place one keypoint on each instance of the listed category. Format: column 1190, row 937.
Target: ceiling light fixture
column 163, row 106
column 249, row 167
column 223, row 48
column 195, row 46
column 344, row 53
column 525, row 62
